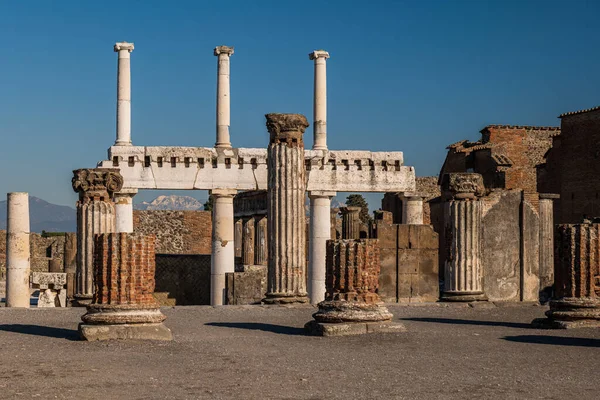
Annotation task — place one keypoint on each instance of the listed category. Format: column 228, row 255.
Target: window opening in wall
column 173, row 162
column 201, row 162
column 159, row 161
column 131, row 161
column 115, row 161
column 186, row 162
column 146, row 161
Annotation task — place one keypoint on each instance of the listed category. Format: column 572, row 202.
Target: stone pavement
column 254, row 352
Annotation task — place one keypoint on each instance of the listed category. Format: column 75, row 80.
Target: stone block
column 427, row 237
column 388, row 275
column 403, row 239
column 125, row 332
column 248, row 287
column 352, row 328
column 408, row 261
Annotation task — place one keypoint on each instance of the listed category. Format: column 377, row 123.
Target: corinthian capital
column 286, row 127
column 96, row 183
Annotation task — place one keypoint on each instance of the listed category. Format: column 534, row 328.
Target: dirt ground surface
column 256, row 352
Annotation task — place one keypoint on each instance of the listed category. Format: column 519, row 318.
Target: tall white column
column 223, row 96
column 17, row 250
column 124, row 211
column 320, row 99
column 124, row 94
column 320, row 232
column 223, row 248
column 412, row 210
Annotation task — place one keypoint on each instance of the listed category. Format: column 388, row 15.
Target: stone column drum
column 124, row 211
column 286, row 278
column 124, row 93
column 350, row 222
column 352, row 304
column 261, row 254
column 576, row 302
column 17, row 250
column 95, row 214
column 248, row 240
column 223, row 96
column 546, row 204
column 320, row 232
column 412, row 210
column 223, row 247
column 463, row 277
column 123, row 306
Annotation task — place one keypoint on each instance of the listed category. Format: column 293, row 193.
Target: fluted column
column 350, row 222
column 463, row 278
column 412, row 210
column 286, row 215
column 124, row 93
column 237, row 238
column 320, row 232
column 223, row 248
column 95, row 214
column 248, row 240
column 546, row 204
column 320, row 99
column 17, row 250
column 261, row 254
column 223, row 96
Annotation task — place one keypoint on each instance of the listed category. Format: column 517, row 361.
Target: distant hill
column 174, row 202
column 44, row 216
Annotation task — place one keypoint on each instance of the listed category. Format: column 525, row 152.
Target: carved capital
column 98, row 183
column 318, row 54
column 223, row 50
column 287, row 128
column 463, row 185
column 123, row 46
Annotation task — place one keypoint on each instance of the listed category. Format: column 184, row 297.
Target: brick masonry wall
column 177, row 232
column 42, row 251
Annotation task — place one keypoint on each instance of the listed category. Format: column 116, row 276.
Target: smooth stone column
column 248, row 241
column 223, row 96
column 223, row 247
column 412, row 210
column 261, row 254
column 17, row 250
column 546, row 204
column 320, row 232
column 124, row 211
column 350, row 222
column 124, row 94
column 320, row 99
column 286, row 278
column 95, row 215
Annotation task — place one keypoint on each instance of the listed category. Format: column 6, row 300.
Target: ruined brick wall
column 177, row 232
column 43, row 249
column 578, row 166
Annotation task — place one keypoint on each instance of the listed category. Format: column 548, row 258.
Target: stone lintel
column 124, row 46
column 223, row 50
column 550, row 196
column 318, row 54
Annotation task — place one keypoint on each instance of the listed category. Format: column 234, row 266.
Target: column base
column 339, row 311
column 108, row 314
column 316, row 328
column 82, row 300
column 463, row 296
column 568, row 313
column 125, row 331
column 281, row 298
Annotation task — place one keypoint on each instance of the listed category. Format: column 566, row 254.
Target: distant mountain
column 180, row 203
column 44, row 216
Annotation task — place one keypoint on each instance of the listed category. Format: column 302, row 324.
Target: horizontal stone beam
column 202, row 168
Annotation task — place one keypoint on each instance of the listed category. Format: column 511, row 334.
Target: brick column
column 123, row 306
column 287, row 220
column 261, row 255
column 95, row 214
column 350, row 222
column 547, row 245
column 576, row 302
column 463, row 277
column 248, row 240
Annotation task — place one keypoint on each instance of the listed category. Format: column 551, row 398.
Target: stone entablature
column 251, row 203
column 202, row 168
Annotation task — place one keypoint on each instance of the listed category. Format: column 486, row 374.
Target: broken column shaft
column 248, row 239
column 412, row 210
column 350, row 222
column 262, row 252
column 17, row 250
column 286, row 214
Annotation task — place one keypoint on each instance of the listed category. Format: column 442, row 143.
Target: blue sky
column 412, row 76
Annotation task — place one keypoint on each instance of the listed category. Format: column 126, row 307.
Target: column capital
column 350, row 210
column 123, row 46
column 461, row 185
column 286, row 126
column 96, row 183
column 319, row 193
column 223, row 50
column 318, row 54
column 223, row 192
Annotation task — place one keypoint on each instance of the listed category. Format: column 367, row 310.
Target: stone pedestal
column 576, row 302
column 546, row 204
column 286, row 215
column 51, row 286
column 262, row 241
column 412, row 210
column 123, row 305
column 95, row 215
column 352, row 305
column 248, row 241
column 350, row 222
column 223, row 248
column 320, row 232
column 17, row 250
column 463, row 277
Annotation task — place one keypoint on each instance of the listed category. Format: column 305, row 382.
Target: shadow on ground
column 555, row 340
column 257, row 326
column 471, row 322
column 38, row 330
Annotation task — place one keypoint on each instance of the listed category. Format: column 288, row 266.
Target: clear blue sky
column 412, row 76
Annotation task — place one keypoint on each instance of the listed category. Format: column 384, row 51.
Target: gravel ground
column 254, row 352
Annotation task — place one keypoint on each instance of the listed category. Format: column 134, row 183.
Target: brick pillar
column 248, row 239
column 95, row 214
column 350, row 222
column 261, row 255
column 576, row 302
column 286, row 215
column 463, row 275
column 123, row 306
